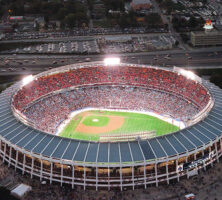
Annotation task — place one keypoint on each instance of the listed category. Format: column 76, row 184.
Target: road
column 32, row 64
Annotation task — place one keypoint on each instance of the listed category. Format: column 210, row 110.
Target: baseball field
column 90, row 125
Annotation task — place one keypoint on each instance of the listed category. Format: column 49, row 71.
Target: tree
column 62, row 25
column 17, row 8
column 35, row 7
column 132, row 16
column 153, row 19
column 46, row 26
column 184, row 37
column 81, row 18
column 114, row 5
column 1, row 12
column 169, row 5
column 37, row 26
column 193, row 22
column 15, row 25
column 70, row 20
column 124, row 21
column 62, row 13
column 46, row 18
column 90, row 4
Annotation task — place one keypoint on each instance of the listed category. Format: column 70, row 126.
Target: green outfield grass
column 90, row 120
column 133, row 122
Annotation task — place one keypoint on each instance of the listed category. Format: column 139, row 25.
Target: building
column 16, row 18
column 206, row 38
column 6, row 28
column 137, row 5
column 112, row 164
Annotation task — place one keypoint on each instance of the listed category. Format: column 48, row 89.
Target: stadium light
column 28, row 79
column 188, row 74
column 111, row 61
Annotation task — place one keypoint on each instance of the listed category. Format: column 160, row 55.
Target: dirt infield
column 114, row 123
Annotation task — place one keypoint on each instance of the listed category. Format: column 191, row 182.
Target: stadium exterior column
column 144, row 173
column 132, row 164
column 108, row 178
column 32, row 167
column 144, row 169
column 10, row 154
column 156, row 173
column 61, row 173
column 133, row 176
column 195, row 156
column 41, row 171
column 221, row 144
column 73, row 172
column 23, row 169
column 4, row 152
column 51, row 165
column 108, row 167
column 167, row 171
column 220, row 149
column 85, row 166
column 84, row 178
column 16, row 163
column 187, row 169
column 96, row 178
column 215, row 144
column 209, row 152
column 97, row 154
column 121, row 179
column 204, row 162
column 178, row 177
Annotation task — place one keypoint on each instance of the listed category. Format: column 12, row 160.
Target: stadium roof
column 56, row 147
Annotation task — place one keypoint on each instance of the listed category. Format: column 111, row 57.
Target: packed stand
column 42, row 113
column 158, row 79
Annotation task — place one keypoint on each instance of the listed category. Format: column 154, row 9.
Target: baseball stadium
column 109, row 124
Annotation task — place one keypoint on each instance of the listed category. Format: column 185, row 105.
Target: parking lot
column 80, row 47
column 80, row 32
column 103, row 44
column 136, row 44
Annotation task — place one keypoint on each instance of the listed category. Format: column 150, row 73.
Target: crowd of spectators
column 43, row 115
column 156, row 90
column 124, row 75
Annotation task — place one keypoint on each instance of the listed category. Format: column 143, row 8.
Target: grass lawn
column 96, row 120
column 133, row 122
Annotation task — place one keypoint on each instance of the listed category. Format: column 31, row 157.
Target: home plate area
column 96, row 124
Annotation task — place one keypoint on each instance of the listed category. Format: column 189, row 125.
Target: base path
column 114, row 123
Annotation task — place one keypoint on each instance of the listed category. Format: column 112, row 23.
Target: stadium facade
column 111, row 164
